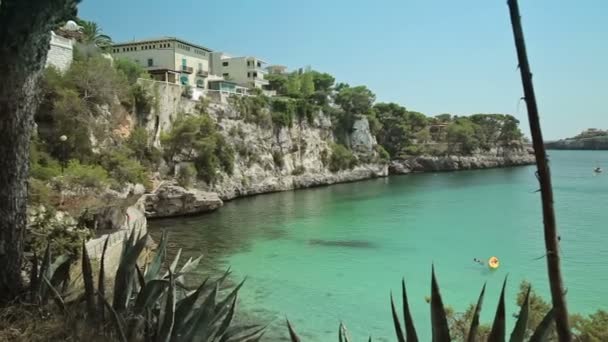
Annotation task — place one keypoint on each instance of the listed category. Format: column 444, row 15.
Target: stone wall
column 61, row 53
column 136, row 222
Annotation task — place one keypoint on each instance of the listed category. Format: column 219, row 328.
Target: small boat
column 597, row 170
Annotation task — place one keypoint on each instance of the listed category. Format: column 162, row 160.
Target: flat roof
column 161, row 39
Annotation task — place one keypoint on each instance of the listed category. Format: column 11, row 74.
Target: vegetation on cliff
column 590, row 139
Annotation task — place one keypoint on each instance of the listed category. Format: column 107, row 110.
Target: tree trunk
column 25, row 27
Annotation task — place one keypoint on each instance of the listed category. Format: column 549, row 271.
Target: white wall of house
column 247, row 71
column 61, row 52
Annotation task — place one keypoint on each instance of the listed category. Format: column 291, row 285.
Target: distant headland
column 590, row 139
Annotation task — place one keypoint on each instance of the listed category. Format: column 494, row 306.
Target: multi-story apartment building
column 246, row 71
column 169, row 59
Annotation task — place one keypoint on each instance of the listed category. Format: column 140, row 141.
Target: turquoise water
column 333, row 254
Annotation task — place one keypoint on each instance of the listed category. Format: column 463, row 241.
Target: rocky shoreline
column 171, row 200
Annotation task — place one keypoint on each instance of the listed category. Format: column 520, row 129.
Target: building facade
column 169, row 59
column 245, row 71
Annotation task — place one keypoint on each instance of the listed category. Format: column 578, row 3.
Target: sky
column 432, row 56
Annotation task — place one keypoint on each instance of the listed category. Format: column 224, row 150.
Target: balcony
column 187, row 69
column 202, row 73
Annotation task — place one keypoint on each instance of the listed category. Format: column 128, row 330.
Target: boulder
column 172, row 200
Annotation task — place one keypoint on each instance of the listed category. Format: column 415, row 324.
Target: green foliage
column 88, row 176
column 97, row 81
column 131, row 70
column 122, row 166
column 307, row 85
column 322, row 81
column 196, row 138
column 283, row 112
column 93, row 34
column 461, row 134
column 42, row 165
column 305, row 110
column 62, row 234
column 139, row 143
column 186, row 175
column 355, row 100
column 254, row 109
column 382, row 153
column 39, row 193
column 341, row 158
column 294, row 85
column 277, row 82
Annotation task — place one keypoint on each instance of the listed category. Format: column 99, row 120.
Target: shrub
column 186, row 175
column 122, row 167
column 283, row 112
column 382, row 153
column 341, row 158
column 42, row 165
column 39, row 193
column 325, row 157
column 277, row 157
column 89, row 176
column 61, row 233
column 139, row 143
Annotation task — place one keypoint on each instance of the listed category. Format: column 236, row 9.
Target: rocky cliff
column 267, row 159
column 497, row 157
column 591, row 143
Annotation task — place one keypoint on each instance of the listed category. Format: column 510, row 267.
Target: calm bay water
column 332, row 254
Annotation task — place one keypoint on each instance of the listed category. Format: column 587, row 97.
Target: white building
column 168, row 59
column 61, row 52
column 246, row 71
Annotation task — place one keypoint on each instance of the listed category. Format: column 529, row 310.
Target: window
column 150, row 62
column 184, row 62
column 200, row 66
column 248, row 74
column 225, row 64
column 259, row 64
column 255, row 74
column 226, row 75
column 248, row 63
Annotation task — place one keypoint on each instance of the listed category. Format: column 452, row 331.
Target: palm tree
column 92, row 34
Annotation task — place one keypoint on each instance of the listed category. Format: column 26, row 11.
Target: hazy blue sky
column 433, row 56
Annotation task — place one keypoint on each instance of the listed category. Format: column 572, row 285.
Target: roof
column 162, row 39
column 226, row 56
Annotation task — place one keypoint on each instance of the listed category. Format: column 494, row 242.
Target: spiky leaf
column 203, row 318
column 185, row 310
column 149, row 295
column 56, row 296
column 497, row 334
column 292, row 333
column 161, row 253
column 542, row 331
column 123, row 284
column 223, row 328
column 396, row 323
column 101, row 286
column 87, row 276
column 45, row 272
column 410, row 329
column 34, row 279
column 475, row 322
column 116, row 320
column 519, row 331
column 169, row 315
column 440, row 329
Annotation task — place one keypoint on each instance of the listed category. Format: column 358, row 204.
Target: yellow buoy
column 493, row 262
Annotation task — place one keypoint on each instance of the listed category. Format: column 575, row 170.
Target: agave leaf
column 123, row 284
column 184, row 311
column 541, row 332
column 396, row 323
column 188, row 267
column 34, row 279
column 159, row 258
column 498, row 327
column 440, row 329
column 174, row 263
column 87, row 276
column 246, row 335
column 55, row 293
column 238, row 331
column 140, row 277
column 342, row 333
column 224, row 304
column 223, row 327
column 169, row 320
column 60, row 272
column 292, row 333
column 149, row 295
column 204, row 316
column 410, row 329
column 101, row 286
column 115, row 319
column 44, row 272
column 475, row 322
column 519, row 331
column 370, row 339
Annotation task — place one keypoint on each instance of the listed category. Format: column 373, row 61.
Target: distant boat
column 597, row 170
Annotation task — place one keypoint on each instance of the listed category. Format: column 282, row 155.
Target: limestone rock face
column 498, row 157
column 361, row 139
column 172, row 200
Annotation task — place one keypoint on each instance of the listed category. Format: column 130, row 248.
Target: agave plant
column 153, row 304
column 439, row 322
